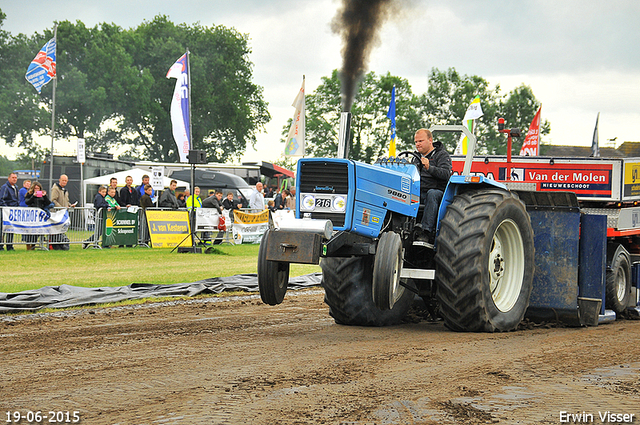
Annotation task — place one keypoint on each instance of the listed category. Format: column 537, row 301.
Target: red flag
column 532, row 140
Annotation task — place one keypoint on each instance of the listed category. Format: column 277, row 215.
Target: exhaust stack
column 344, row 134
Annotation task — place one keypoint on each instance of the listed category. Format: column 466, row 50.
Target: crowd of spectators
column 109, row 197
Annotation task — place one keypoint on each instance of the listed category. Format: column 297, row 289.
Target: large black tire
column 618, row 287
column 387, row 266
column 273, row 276
column 484, row 261
column 347, row 286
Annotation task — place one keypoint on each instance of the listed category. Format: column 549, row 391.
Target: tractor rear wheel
column 484, row 261
column 273, row 276
column 618, row 286
column 347, row 286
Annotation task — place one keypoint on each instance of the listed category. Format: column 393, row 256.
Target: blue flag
column 392, row 116
column 43, row 67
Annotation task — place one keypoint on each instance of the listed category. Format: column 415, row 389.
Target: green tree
column 227, row 108
column 370, row 127
column 447, row 99
column 113, row 91
column 22, row 110
column 6, row 166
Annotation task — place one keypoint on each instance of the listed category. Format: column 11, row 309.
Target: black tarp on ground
column 72, row 296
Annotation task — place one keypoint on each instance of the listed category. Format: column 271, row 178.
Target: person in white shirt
column 256, row 201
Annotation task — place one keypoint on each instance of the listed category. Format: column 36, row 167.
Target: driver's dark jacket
column 437, row 176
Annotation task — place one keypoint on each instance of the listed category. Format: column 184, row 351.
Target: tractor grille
column 325, row 177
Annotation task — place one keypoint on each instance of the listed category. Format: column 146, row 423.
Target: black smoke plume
column 357, row 23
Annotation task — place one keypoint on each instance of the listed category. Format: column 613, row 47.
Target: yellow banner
column 251, row 218
column 168, row 229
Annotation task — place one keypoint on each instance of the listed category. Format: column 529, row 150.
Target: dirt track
column 239, row 361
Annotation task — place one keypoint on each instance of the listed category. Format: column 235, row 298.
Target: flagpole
column 53, row 108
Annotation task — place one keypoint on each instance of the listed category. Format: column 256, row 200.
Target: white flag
column 294, row 145
column 180, row 116
column 474, row 111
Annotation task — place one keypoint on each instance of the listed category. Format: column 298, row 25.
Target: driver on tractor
column 435, row 170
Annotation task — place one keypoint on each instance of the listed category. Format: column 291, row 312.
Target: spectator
column 281, row 199
column 113, row 182
column 146, row 201
column 256, row 201
column 23, row 192
column 111, row 198
column 290, row 202
column 229, row 203
column 128, row 194
column 194, row 201
column 271, row 205
column 99, row 201
column 141, row 188
column 168, row 198
column 9, row 198
column 182, row 203
column 214, row 201
column 60, row 194
column 21, row 201
column 37, row 198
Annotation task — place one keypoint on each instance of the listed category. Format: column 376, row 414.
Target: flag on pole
column 180, row 115
column 595, row 148
column 294, row 145
column 392, row 116
column 43, row 67
column 531, row 144
column 474, row 111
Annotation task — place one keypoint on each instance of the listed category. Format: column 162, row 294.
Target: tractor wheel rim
column 506, row 265
column 621, row 283
column 395, row 280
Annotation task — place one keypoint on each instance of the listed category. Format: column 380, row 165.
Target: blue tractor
column 358, row 221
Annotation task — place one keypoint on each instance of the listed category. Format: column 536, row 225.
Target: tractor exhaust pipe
column 344, row 134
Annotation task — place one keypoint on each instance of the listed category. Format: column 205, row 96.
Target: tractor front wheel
column 387, row 267
column 273, row 276
column 347, row 284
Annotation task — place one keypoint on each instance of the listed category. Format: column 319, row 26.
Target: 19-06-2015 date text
column 42, row 417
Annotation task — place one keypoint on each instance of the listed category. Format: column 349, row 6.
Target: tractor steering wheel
column 416, row 155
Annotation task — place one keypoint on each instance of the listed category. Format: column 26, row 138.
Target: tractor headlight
column 308, row 203
column 339, row 204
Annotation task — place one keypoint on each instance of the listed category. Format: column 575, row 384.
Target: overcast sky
column 580, row 57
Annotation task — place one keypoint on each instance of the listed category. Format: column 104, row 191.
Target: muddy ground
column 238, row 361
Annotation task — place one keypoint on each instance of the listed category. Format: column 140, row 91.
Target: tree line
column 112, row 88
column 445, row 102
column 112, row 91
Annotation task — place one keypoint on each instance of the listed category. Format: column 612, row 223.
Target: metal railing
column 85, row 228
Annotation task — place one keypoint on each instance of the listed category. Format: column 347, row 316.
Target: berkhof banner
column 33, row 221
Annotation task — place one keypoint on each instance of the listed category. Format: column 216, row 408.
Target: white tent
column 135, row 173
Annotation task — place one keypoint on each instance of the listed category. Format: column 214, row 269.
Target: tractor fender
column 462, row 183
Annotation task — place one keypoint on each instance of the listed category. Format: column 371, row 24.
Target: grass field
column 21, row 270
